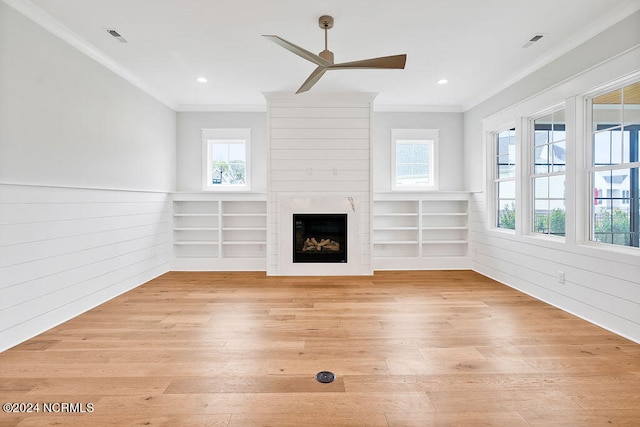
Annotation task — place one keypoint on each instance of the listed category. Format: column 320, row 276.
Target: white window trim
column 493, row 180
column 431, row 137
column 225, row 135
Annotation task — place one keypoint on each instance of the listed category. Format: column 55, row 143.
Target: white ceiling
column 475, row 44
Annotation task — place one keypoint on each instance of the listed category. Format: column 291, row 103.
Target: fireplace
column 320, row 238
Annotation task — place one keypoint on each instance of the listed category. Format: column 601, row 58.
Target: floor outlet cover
column 325, row 376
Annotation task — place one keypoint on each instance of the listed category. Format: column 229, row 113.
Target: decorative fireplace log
column 312, row 245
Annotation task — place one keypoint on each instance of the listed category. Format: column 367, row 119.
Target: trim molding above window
column 225, row 159
column 414, row 159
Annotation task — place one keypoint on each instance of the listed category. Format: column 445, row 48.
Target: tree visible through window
column 614, row 166
column 548, row 174
column 227, row 162
column 505, row 178
column 225, row 159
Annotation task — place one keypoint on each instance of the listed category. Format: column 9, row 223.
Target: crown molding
column 603, row 23
column 221, row 108
column 261, row 108
column 417, row 108
column 323, row 97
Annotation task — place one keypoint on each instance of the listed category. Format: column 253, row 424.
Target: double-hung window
column 614, row 165
column 548, row 173
column 225, row 157
column 504, row 179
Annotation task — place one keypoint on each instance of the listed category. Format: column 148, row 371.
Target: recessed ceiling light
column 202, row 79
column 443, row 81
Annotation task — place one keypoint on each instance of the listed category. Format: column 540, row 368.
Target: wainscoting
column 66, row 250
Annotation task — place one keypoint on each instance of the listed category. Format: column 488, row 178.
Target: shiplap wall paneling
column 319, row 145
column 320, row 154
column 64, row 251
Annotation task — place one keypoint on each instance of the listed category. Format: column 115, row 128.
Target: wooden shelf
column 223, row 224
column 244, row 214
column 244, row 228
column 420, row 228
column 247, row 242
column 195, row 228
column 443, row 242
column 396, row 228
column 196, row 242
column 445, row 228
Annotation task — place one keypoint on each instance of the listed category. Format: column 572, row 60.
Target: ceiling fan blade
column 313, row 79
column 299, row 51
column 395, row 61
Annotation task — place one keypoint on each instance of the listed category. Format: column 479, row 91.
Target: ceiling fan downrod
column 326, row 23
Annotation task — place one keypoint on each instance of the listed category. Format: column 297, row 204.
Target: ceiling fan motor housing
column 326, row 54
column 325, row 21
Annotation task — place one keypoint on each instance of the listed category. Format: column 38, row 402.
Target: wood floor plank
column 254, row 384
column 467, row 419
column 269, row 403
column 115, row 420
column 298, row 420
column 411, row 348
column 583, row 417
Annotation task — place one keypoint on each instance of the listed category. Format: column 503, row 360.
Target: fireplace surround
column 357, row 242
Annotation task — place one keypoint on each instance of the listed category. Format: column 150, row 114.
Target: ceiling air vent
column 116, row 35
column 532, row 40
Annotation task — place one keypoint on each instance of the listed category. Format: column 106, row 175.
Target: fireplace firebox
column 320, row 238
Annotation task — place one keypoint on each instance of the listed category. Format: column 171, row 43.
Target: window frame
column 431, row 138
column 496, row 179
column 225, row 136
column 591, row 167
column 533, row 175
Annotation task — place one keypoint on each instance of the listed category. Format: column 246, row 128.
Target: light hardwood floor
column 408, row 348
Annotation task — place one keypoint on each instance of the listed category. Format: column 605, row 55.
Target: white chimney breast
column 319, row 161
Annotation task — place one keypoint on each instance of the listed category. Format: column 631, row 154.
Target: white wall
column 189, row 146
column 66, row 120
column 602, row 285
column 450, row 149
column 86, row 162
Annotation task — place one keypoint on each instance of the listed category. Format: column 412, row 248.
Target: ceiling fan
column 324, row 60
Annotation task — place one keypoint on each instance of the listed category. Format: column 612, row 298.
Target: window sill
column 227, row 189
column 415, row 190
column 613, row 251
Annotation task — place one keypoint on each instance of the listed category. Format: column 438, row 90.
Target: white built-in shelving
column 214, row 233
column 420, row 231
